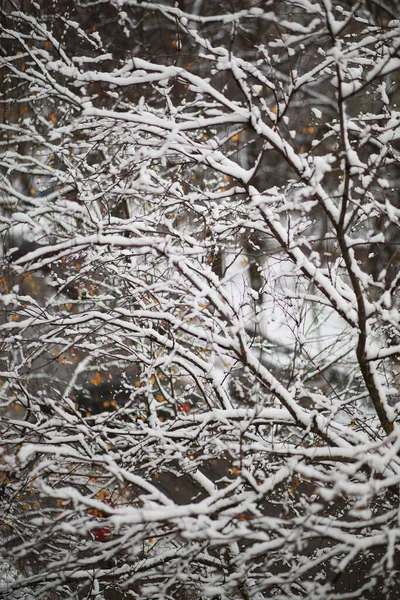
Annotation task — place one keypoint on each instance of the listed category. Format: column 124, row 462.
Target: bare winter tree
column 199, row 299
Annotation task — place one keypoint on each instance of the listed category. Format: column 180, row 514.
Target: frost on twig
column 199, row 300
